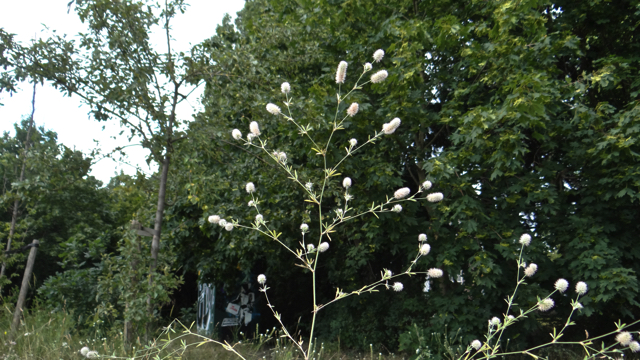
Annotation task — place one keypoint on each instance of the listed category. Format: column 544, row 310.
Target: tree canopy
column 524, row 113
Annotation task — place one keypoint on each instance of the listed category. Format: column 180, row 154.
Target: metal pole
column 25, row 286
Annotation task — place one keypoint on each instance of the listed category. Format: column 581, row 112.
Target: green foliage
column 60, row 204
column 123, row 286
column 522, row 113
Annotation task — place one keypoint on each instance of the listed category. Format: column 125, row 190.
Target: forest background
column 524, row 113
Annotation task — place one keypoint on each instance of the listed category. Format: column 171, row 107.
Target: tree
column 60, row 204
column 115, row 69
column 525, row 111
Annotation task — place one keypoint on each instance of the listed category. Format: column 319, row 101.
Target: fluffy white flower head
column 435, row 197
column 309, row 186
column 525, row 239
column 390, row 128
column 577, row 306
column 222, row 222
column 304, row 227
column 378, row 55
column 324, row 246
column 228, row 227
column 387, row 274
column 273, row 108
column 401, row 193
column 545, row 304
column 250, row 137
column 530, row 270
column 259, row 219
column 426, row 185
column 397, row 208
column 561, row 285
column 282, row 156
column 424, row 249
column 422, row 237
column 84, row 351
column 341, row 73
column 251, row 203
column 581, row 288
column 397, row 286
column 624, row 338
column 250, row 187
column 353, row 109
column 262, row 279
column 435, row 273
column 346, row 183
column 92, row 355
column 476, row 344
column 254, row 128
column 495, row 321
column 634, row 346
column 285, row 87
column 379, row 77
column 353, row 142
column 236, row 134
column 367, row 67
column 310, row 248
column 214, row 219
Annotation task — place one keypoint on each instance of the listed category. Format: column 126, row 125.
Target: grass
column 54, row 336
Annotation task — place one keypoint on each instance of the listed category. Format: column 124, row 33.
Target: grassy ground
column 53, row 336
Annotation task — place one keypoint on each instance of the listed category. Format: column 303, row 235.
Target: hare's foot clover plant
column 308, row 255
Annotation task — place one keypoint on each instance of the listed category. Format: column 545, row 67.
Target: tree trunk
column 157, row 227
column 24, row 288
column 16, row 203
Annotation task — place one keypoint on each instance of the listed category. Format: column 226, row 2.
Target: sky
column 68, row 116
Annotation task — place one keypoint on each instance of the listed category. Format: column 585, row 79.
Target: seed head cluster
column 401, row 193
column 262, row 279
column 561, row 285
column 624, row 338
column 476, row 344
column 254, row 128
column 545, row 304
column 353, row 109
column 346, row 183
column 435, row 197
column 530, row 270
column 324, row 246
column 273, row 108
column 285, row 87
column 391, row 127
column 379, row 77
column 424, row 249
column 341, row 73
column 581, row 288
column 525, row 239
column 378, row 55
column 435, row 273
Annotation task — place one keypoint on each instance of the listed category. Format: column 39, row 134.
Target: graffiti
column 243, row 312
column 206, row 308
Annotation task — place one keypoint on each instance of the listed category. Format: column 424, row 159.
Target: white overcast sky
column 67, row 116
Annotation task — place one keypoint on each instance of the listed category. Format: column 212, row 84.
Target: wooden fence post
column 25, row 287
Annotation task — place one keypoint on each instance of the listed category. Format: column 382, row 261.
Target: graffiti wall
column 206, row 309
